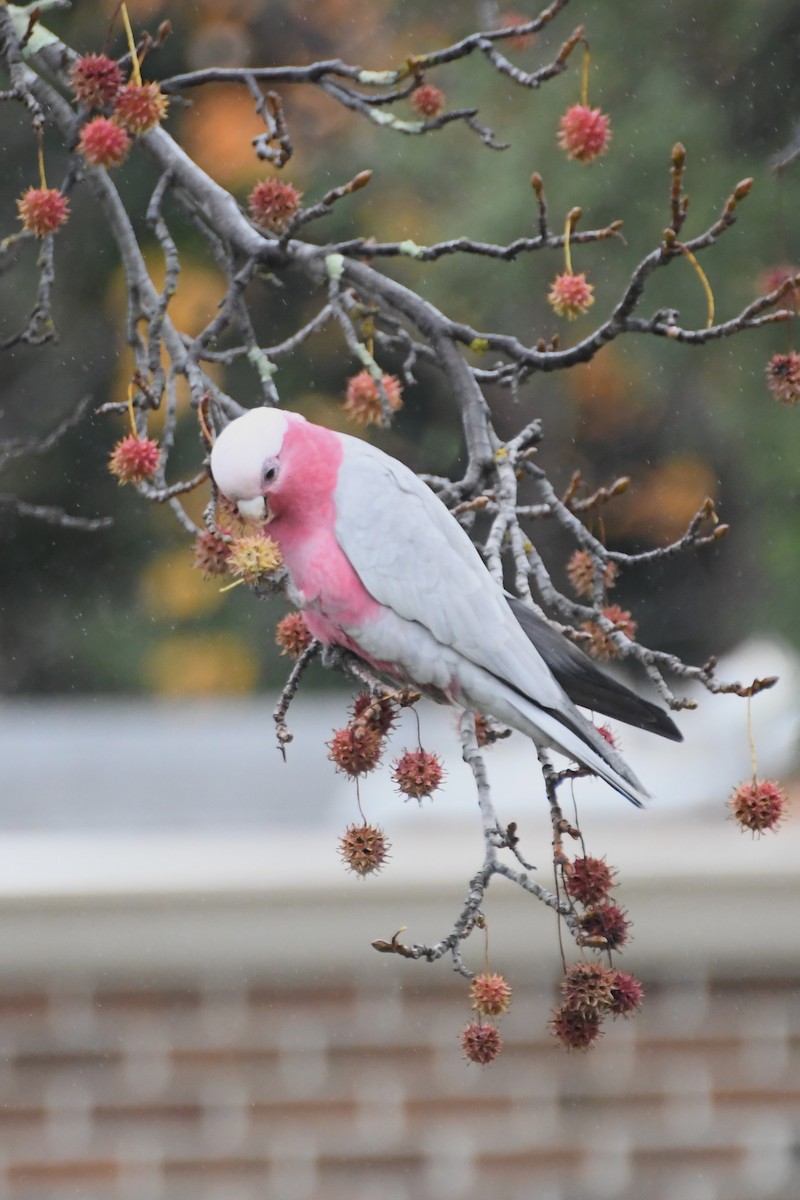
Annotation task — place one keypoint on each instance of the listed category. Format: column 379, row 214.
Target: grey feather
column 448, row 624
column 585, row 683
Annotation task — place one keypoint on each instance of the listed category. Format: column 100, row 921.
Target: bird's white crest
column 241, row 449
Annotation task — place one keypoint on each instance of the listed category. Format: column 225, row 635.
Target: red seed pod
column 481, row 1042
column 587, row 986
column 490, row 994
column 292, row 634
column 783, row 377
column 428, row 100
column 42, row 210
column 576, row 1029
column 363, row 398
column 134, row 459
column 364, row 848
column 417, row 773
column 608, row 735
column 104, row 143
column 210, row 555
column 570, row 295
column 355, row 751
column 600, row 644
column 140, row 106
column 272, row 204
column 377, row 714
column 584, row 133
column 627, row 994
column 521, row 41
column 581, row 573
column 588, row 880
column 771, row 279
column 95, row 79
column 608, row 923
column 758, row 805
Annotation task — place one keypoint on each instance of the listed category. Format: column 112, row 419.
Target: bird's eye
column 269, row 474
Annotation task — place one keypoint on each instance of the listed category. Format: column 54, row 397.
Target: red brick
column 155, row 999
column 16, row 1115
column 133, row 1113
column 299, row 999
column 303, row 1112
column 497, row 1169
column 442, row 1107
column 758, row 1098
column 222, row 1056
column 209, row 1168
column 67, row 1171
column 402, row 1164
column 25, row 1004
column 59, row 1060
column 696, row 1158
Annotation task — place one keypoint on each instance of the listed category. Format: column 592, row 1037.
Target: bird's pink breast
column 335, row 602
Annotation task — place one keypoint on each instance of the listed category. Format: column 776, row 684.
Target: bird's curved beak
column 253, row 510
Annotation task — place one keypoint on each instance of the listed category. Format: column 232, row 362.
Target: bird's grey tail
column 571, row 734
column 585, row 683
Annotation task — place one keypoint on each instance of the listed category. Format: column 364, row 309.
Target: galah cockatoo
column 380, row 567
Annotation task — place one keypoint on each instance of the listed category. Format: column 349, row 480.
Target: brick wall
column 246, row 1043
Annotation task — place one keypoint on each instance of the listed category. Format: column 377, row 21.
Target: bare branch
column 54, row 516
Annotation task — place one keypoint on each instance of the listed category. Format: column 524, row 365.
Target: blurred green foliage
column 118, row 610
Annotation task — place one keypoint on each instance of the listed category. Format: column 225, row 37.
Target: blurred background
column 123, row 611
column 189, row 1004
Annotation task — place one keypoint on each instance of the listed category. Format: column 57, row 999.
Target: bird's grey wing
column 586, row 684
column 413, row 557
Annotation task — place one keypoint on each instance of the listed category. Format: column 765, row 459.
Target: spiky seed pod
column 140, row 106
column 521, row 41
column 363, row 398
column 481, row 1042
column 607, row 924
column 253, row 555
column 488, row 731
column 364, row 848
column 570, row 295
column 588, row 880
column 490, row 995
column 581, row 573
column 483, row 734
column 104, row 143
column 378, row 714
column 758, row 805
column 622, row 618
column 584, row 133
column 600, row 644
column 210, row 555
column 272, row 204
column 95, row 80
column 627, row 994
column 355, row 751
column 783, row 377
column 134, row 459
column 42, row 210
column 428, row 100
column 417, row 773
column 587, row 987
column 229, row 519
column 772, row 279
column 576, row 1029
column 292, row 634
column 608, row 735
